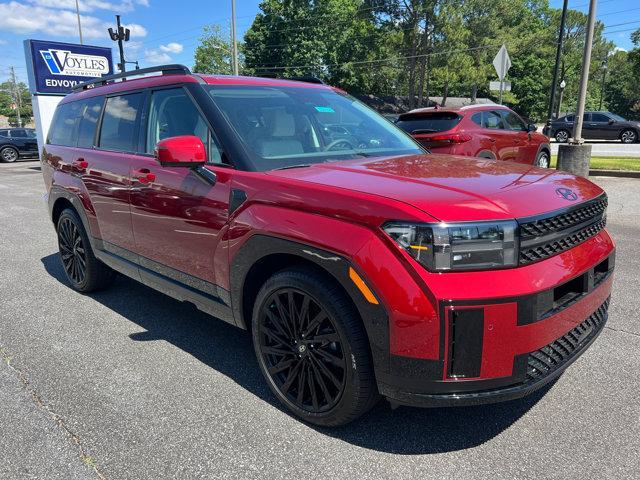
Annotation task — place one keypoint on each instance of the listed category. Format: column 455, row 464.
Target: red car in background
column 485, row 131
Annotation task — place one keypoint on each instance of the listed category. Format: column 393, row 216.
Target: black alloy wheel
column 302, row 350
column 72, row 251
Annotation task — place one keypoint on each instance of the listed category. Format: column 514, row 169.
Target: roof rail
column 164, row 69
column 306, row 78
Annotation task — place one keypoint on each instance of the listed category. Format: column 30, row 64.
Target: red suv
column 362, row 266
column 485, row 131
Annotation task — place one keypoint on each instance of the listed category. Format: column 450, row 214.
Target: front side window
column 172, row 114
column 288, row 126
column 19, row 133
column 88, row 121
column 64, row 126
column 512, row 121
column 599, row 117
column 119, row 123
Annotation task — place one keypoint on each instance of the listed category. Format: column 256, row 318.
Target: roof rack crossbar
column 164, row 69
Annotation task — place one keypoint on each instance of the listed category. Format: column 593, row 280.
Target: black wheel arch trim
column 260, row 246
column 57, row 193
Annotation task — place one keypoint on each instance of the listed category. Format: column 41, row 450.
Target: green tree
column 214, row 53
column 8, row 104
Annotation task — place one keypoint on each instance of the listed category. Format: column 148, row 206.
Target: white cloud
column 20, row 18
column 618, row 49
column 172, row 47
column 91, row 5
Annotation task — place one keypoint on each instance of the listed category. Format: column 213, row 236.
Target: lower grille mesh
column 549, row 358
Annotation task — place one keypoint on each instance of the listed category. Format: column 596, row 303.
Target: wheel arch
column 59, row 199
column 263, row 255
column 488, row 154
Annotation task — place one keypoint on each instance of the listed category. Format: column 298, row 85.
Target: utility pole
column 556, row 68
column 575, row 157
column 79, row 24
column 120, row 35
column 15, row 91
column 234, row 40
column 605, row 66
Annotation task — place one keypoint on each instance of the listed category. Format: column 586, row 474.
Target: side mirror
column 532, row 127
column 611, row 121
column 182, row 151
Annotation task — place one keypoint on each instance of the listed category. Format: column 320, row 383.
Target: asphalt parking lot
column 129, row 383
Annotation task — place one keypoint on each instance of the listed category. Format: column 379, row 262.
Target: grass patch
column 609, row 163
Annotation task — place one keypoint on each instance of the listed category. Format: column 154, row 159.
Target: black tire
column 84, row 271
column 543, row 160
column 629, row 136
column 562, row 136
column 349, row 389
column 9, row 154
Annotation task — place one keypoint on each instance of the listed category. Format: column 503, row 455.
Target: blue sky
column 167, row 30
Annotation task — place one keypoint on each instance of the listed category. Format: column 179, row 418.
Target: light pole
column 79, row 24
column 605, row 66
column 556, row 68
column 563, row 85
column 120, row 35
column 234, row 40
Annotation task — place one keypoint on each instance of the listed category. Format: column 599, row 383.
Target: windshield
column 289, row 126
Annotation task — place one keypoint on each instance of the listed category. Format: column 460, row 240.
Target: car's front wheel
column 9, row 154
column 83, row 270
column 312, row 348
column 562, row 136
column 629, row 136
column 543, row 160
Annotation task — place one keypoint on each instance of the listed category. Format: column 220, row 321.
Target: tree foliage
column 8, row 105
column 428, row 48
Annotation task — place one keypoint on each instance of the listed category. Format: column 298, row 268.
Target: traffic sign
column 502, row 62
column 506, row 86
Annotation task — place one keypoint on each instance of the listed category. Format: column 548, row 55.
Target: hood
column 451, row 188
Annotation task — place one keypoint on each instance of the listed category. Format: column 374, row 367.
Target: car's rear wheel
column 629, row 136
column 562, row 136
column 543, row 160
column 9, row 154
column 312, row 348
column 83, row 270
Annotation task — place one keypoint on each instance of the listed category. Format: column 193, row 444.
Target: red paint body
column 469, row 139
column 175, row 219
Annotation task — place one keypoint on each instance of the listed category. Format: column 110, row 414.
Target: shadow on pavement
column 228, row 349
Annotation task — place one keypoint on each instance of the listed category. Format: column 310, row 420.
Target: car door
column 524, row 150
column 499, row 138
column 26, row 142
column 105, row 169
column 601, row 126
column 178, row 215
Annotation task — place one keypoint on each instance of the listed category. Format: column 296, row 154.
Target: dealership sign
column 55, row 68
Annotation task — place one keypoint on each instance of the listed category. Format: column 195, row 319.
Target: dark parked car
column 16, row 143
column 596, row 126
column 485, row 131
column 361, row 265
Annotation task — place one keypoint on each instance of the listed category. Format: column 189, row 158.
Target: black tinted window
column 569, row 118
column 492, row 120
column 118, row 131
column 599, row 117
column 88, row 121
column 19, row 133
column 429, row 123
column 512, row 121
column 65, row 123
column 4, row 133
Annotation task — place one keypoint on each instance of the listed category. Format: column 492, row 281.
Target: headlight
column 458, row 246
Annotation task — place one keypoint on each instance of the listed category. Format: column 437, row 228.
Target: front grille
column 549, row 358
column 547, row 236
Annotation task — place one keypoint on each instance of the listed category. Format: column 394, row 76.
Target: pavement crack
column 622, row 331
column 88, row 460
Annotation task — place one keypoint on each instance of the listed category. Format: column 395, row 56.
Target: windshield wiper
column 300, row 165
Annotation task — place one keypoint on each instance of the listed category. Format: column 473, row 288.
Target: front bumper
column 501, row 349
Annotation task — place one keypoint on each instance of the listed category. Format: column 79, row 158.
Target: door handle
column 80, row 165
column 144, row 175
column 492, row 140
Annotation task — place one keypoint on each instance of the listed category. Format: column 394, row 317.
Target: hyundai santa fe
column 362, row 266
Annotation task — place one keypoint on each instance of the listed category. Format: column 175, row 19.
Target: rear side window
column 119, row 123
column 19, row 133
column 429, row 123
column 88, row 121
column 65, row 124
column 488, row 119
column 4, row 133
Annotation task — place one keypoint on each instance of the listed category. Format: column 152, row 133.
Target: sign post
column 53, row 69
column 502, row 64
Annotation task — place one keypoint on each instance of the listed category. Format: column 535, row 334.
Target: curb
column 614, row 173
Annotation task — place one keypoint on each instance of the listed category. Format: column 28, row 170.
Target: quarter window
column 88, row 121
column 118, row 131
column 65, row 124
column 171, row 114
